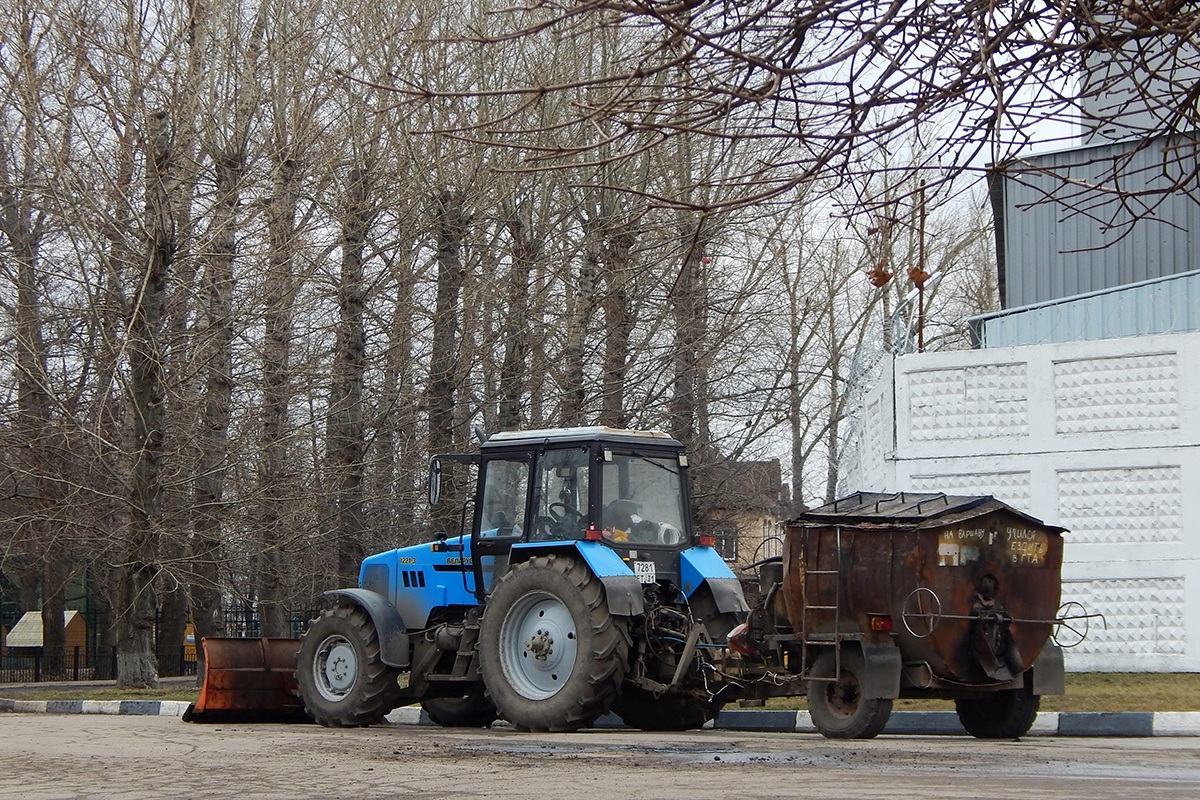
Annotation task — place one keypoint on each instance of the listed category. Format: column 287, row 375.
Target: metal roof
column 910, row 508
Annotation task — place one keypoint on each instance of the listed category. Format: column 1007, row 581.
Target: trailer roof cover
column 914, row 508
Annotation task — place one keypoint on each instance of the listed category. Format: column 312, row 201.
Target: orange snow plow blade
column 248, row 680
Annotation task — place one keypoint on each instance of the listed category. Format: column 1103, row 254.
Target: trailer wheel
column 837, row 707
column 552, row 656
column 472, row 710
column 640, row 709
column 1001, row 715
column 343, row 682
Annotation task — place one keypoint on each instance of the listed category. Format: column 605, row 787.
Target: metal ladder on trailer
column 813, row 600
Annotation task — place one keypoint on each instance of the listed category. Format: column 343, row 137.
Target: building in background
column 1082, row 405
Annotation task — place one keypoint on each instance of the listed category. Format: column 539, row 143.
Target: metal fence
column 74, row 663
column 37, row 664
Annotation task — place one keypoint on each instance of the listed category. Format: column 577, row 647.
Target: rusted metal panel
column 971, row 584
column 251, row 680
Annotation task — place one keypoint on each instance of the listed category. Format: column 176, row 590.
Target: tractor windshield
column 643, row 500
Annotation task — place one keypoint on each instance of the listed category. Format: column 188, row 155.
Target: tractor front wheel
column 552, row 656
column 836, row 704
column 343, row 682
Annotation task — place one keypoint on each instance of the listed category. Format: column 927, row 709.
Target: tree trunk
column 136, row 665
column 21, row 230
column 104, row 623
column 227, row 145
column 688, row 305
column 514, row 370
column 688, row 405
column 54, row 634
column 581, row 300
column 275, row 475
column 618, row 326
column 450, row 222
column 215, row 348
column 397, row 445
column 347, row 425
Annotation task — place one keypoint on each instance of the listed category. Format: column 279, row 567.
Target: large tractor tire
column 640, row 709
column 837, row 707
column 552, row 656
column 1001, row 715
column 472, row 710
column 343, row 682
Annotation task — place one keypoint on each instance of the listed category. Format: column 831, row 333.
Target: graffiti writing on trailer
column 1014, row 545
column 1025, row 547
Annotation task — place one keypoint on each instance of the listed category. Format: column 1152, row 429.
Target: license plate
column 644, row 570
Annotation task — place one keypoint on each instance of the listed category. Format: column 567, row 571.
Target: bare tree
column 24, row 148
column 814, row 85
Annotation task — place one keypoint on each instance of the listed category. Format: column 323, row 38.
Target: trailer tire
column 343, row 682
column 639, row 708
column 837, row 708
column 552, row 656
column 472, row 710
column 1000, row 715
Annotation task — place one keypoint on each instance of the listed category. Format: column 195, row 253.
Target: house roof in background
column 28, row 630
column 747, row 485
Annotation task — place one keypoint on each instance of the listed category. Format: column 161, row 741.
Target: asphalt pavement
column 920, row 723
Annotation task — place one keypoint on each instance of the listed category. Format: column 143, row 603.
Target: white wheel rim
column 538, row 645
column 335, row 666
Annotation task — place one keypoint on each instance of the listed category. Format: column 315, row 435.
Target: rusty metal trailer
column 885, row 596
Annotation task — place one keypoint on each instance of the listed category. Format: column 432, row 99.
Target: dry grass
column 50, row 691
column 1085, row 692
column 1090, row 691
column 1121, row 691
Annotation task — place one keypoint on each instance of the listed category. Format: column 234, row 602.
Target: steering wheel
column 563, row 512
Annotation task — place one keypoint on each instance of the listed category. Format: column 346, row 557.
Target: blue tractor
column 575, row 588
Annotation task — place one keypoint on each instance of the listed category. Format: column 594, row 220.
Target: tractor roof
column 590, row 433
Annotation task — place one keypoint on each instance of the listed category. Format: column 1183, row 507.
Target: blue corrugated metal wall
column 1164, row 305
column 1067, row 226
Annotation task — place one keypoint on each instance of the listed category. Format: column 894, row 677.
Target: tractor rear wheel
column 343, row 682
column 640, row 709
column 1001, row 715
column 837, row 707
column 552, row 656
column 472, row 710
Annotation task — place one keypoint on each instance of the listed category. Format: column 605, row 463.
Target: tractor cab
column 538, row 490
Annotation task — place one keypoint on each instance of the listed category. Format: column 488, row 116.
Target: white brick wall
column 1101, row 437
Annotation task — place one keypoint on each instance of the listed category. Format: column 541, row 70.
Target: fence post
column 75, row 664
column 37, row 666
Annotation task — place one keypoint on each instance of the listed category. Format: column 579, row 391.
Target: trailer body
column 881, row 596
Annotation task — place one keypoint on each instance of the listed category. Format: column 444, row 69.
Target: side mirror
column 435, row 480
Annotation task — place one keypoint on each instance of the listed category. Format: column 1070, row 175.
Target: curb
column 141, row 708
column 911, row 723
column 945, row 723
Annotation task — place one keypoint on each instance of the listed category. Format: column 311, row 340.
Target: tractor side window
column 506, row 485
column 561, row 495
column 643, row 500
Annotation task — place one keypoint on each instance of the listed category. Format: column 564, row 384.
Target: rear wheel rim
column 538, row 645
column 335, row 667
column 843, row 695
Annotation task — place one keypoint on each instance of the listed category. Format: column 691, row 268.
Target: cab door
column 501, row 518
